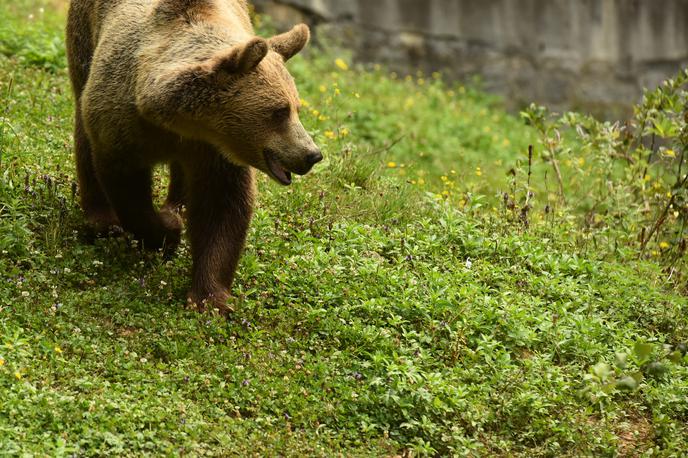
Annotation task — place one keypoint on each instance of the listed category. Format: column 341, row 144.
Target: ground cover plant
column 436, row 288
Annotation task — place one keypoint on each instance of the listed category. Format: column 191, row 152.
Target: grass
column 382, row 306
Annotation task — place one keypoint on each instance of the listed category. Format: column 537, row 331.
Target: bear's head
column 243, row 101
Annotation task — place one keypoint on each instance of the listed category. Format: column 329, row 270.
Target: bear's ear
column 241, row 58
column 291, row 43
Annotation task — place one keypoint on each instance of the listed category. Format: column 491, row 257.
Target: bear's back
column 135, row 40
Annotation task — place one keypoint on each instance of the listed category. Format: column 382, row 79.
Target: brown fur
column 188, row 83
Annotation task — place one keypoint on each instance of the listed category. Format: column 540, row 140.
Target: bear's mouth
column 277, row 170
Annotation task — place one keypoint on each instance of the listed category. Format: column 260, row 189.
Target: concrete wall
column 591, row 54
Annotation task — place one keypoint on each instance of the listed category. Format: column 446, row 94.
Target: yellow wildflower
column 58, row 350
column 2, row 362
column 17, row 375
column 341, row 64
column 323, row 88
column 664, row 245
column 392, row 165
column 331, row 135
column 670, row 153
column 478, row 172
column 304, row 103
column 344, row 132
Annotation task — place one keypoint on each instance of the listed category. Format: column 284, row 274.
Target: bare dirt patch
column 635, row 435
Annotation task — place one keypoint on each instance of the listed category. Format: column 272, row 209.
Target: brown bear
column 184, row 82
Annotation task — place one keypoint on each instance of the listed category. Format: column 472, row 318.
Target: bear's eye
column 281, row 114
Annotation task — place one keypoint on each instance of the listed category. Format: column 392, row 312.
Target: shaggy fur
column 188, row 83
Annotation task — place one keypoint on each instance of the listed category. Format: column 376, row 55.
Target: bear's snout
column 281, row 167
column 309, row 159
column 314, row 157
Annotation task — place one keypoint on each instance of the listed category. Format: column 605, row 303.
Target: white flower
column 469, row 263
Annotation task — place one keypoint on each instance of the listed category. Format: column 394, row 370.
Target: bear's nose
column 314, row 157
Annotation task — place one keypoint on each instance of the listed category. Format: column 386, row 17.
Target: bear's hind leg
column 94, row 203
column 220, row 206
column 129, row 190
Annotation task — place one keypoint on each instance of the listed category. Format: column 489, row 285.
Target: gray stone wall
column 595, row 55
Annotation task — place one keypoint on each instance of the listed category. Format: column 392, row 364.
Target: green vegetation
column 426, row 291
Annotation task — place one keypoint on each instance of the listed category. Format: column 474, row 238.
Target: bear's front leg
column 220, row 205
column 129, row 189
column 176, row 192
